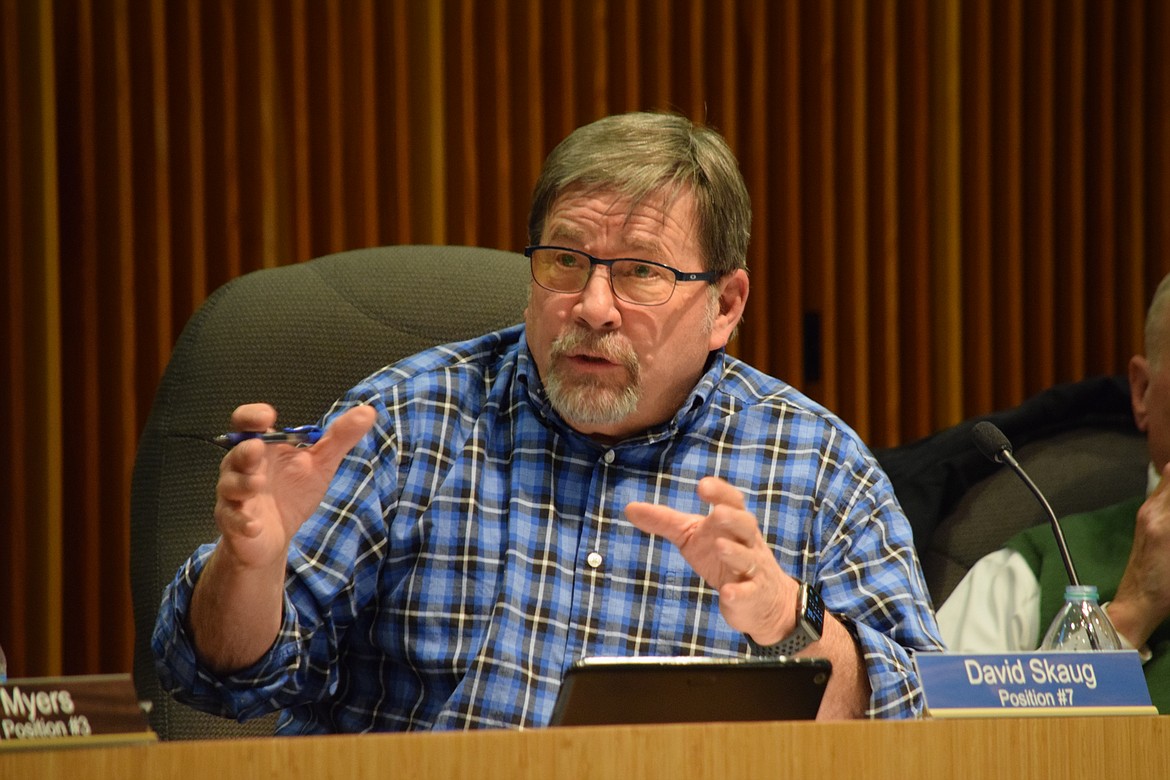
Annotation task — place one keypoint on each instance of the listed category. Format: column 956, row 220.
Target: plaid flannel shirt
column 473, row 546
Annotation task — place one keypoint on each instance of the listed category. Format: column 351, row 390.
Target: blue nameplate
column 958, row 685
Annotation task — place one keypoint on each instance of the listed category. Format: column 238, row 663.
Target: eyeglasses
column 643, row 282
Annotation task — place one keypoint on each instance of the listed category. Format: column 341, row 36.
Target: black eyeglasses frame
column 679, row 276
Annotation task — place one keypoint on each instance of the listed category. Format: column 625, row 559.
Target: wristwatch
column 810, row 622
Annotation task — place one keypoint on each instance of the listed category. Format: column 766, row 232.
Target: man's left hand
column 726, row 549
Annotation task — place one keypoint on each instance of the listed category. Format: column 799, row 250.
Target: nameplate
column 61, row 711
column 961, row 685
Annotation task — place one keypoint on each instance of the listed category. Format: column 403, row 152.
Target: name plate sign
column 52, row 711
column 958, row 685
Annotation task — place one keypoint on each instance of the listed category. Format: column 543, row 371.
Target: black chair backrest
column 297, row 337
column 1077, row 441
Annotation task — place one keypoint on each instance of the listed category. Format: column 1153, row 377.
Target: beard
column 587, row 399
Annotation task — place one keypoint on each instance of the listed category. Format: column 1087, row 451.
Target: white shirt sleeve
column 994, row 609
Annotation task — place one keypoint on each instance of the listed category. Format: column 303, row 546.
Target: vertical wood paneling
column 956, row 204
column 297, row 124
column 1067, row 281
column 1040, row 188
column 435, row 118
column 223, row 196
column 1132, row 168
column 187, row 104
column 820, row 185
column 31, row 582
column 83, row 316
column 1008, row 295
column 506, row 223
column 14, row 556
column 106, row 570
column 333, row 110
column 916, row 226
column 852, row 287
column 946, row 347
column 766, row 132
column 1158, row 129
column 975, row 185
column 883, row 231
column 155, row 312
column 394, row 125
column 269, row 160
column 45, row 438
column 366, row 149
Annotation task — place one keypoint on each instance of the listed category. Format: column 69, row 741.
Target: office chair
column 296, row 336
column 1077, row 441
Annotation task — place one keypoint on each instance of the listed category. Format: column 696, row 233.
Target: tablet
column 656, row 689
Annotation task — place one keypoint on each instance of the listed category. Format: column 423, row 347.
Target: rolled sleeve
column 242, row 695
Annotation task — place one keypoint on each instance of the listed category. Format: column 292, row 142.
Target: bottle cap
column 1080, row 593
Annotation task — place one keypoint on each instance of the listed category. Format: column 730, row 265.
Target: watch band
column 810, row 623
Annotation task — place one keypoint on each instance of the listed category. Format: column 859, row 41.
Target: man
column 603, row 480
column 1008, row 599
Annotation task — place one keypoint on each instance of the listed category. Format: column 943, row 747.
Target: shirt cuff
column 1144, row 652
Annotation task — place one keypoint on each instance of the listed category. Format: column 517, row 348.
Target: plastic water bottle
column 1081, row 624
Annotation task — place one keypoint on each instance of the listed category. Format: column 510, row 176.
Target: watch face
column 814, row 610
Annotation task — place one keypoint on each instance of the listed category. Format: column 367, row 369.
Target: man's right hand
column 1143, row 596
column 265, row 493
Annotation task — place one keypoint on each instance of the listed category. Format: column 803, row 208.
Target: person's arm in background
column 1142, row 601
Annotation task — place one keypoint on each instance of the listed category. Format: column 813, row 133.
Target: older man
column 602, row 480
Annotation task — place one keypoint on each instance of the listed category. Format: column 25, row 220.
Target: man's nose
column 598, row 304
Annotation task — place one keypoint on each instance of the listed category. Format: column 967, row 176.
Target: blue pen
column 302, row 434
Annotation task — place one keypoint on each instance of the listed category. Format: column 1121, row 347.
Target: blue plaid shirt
column 473, row 546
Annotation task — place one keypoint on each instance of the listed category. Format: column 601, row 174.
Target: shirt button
column 593, row 559
column 608, row 456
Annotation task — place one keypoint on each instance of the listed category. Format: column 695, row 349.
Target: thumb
column 342, row 435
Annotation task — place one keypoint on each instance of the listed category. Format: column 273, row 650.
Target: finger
column 343, row 434
column 720, row 492
column 735, row 525
column 659, row 520
column 739, row 560
column 242, row 471
column 1163, row 486
column 253, row 417
column 232, row 519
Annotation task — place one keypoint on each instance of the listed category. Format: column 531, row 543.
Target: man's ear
column 733, row 294
column 1139, row 385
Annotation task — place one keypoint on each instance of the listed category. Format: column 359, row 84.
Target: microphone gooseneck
column 992, row 443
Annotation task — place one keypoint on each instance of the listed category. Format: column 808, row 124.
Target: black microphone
column 992, row 443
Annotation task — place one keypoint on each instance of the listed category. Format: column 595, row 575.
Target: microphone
column 993, row 444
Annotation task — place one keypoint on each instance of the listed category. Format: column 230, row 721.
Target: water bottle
column 1081, row 624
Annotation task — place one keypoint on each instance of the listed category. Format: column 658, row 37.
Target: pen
column 302, row 434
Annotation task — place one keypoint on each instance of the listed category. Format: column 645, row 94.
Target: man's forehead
column 642, row 219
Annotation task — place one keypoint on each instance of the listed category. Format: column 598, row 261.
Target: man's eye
column 567, row 260
column 639, row 271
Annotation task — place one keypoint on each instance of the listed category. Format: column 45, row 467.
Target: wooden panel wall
column 957, row 204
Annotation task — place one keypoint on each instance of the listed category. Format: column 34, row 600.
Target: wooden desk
column 1066, row 748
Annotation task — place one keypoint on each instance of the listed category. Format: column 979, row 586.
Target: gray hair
column 1156, row 322
column 637, row 155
